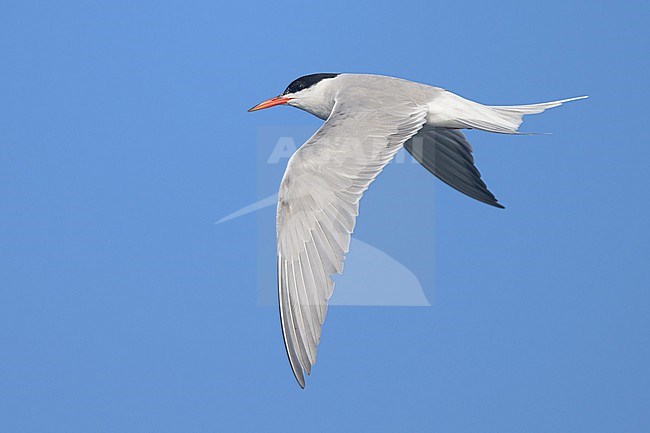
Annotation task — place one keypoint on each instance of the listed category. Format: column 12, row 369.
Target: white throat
column 318, row 99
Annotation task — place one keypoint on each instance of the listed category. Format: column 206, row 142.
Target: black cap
column 306, row 82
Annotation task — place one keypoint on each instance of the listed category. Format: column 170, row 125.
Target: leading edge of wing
column 317, row 208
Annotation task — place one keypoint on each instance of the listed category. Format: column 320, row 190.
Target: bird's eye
column 291, row 89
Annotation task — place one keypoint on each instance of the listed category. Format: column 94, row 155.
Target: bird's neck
column 319, row 101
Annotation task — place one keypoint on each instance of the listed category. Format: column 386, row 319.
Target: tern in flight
column 368, row 118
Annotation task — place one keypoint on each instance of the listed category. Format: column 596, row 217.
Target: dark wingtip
column 300, row 380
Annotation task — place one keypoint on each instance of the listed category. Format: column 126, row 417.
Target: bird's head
column 313, row 93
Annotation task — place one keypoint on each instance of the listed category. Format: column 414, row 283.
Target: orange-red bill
column 278, row 100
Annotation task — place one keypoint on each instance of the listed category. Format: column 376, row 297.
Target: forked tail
column 511, row 116
column 453, row 111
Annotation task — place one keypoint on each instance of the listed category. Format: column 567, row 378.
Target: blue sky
column 124, row 137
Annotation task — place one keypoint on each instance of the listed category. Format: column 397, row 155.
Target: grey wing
column 448, row 155
column 318, row 204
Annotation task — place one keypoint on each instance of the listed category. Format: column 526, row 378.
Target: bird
column 368, row 118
